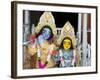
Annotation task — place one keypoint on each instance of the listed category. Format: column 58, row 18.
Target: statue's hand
column 32, row 49
column 52, row 49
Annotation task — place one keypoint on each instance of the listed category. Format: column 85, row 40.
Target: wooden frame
column 17, row 6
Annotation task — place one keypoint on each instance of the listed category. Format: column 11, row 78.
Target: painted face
column 46, row 33
column 67, row 44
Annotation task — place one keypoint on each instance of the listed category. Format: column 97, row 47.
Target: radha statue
column 68, row 55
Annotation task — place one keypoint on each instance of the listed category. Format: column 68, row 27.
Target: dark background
column 60, row 18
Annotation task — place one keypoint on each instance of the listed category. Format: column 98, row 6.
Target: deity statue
column 68, row 55
column 42, row 42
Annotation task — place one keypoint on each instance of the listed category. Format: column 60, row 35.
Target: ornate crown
column 67, row 31
column 46, row 19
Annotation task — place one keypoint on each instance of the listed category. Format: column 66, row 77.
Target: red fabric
column 53, row 52
column 32, row 38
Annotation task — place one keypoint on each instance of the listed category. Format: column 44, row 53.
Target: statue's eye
column 67, row 42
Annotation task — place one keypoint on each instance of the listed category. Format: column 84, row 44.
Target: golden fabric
column 44, row 48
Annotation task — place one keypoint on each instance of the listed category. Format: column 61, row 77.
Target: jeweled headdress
column 67, row 31
column 46, row 19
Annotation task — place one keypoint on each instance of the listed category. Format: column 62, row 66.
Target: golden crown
column 46, row 19
column 67, row 31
